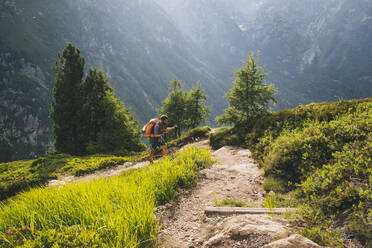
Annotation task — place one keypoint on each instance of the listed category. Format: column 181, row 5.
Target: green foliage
column 21, row 175
column 196, row 110
column 249, row 97
column 108, row 212
column 65, row 109
column 345, row 185
column 186, row 110
column 273, row 124
column 224, row 136
column 274, row 184
column 296, row 153
column 112, row 128
column 270, row 200
column 88, row 118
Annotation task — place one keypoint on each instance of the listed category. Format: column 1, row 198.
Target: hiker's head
column 164, row 119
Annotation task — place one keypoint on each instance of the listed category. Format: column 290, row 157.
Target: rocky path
column 234, row 176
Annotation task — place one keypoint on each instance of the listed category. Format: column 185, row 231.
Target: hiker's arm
column 170, row 128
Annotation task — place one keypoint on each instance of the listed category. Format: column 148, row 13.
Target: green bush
column 345, row 185
column 295, row 154
column 275, row 123
column 277, row 185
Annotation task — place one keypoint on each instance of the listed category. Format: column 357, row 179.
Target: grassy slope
column 109, row 212
column 20, row 175
column 321, row 153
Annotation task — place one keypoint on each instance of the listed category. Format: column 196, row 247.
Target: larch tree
column 249, row 97
column 186, row 110
column 196, row 109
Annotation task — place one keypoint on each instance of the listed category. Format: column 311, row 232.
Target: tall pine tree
column 249, row 97
column 174, row 106
column 196, row 110
column 65, row 109
column 95, row 88
column 88, row 118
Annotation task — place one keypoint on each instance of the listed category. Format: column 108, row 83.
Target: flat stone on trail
column 293, row 241
column 244, row 225
column 244, row 210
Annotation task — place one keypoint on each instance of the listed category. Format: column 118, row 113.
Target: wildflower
column 9, row 231
column 16, row 233
column 26, row 228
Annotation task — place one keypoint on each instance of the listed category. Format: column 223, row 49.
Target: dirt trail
column 234, row 176
column 101, row 173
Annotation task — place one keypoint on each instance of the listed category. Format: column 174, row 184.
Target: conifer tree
column 65, row 108
column 196, row 110
column 187, row 110
column 174, row 106
column 95, row 88
column 88, row 118
column 249, row 97
column 110, row 126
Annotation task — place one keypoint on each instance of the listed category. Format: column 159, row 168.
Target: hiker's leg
column 152, row 152
column 164, row 148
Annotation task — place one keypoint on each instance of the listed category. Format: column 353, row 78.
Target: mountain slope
column 133, row 41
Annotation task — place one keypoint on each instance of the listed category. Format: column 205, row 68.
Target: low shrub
column 277, row 185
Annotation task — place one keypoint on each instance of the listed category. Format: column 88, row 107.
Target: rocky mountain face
column 317, row 50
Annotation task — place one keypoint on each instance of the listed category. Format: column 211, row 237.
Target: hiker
column 157, row 137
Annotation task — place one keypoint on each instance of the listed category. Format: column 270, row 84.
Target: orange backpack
column 148, row 127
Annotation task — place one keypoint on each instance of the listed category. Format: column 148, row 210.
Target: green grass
column 109, row 212
column 21, row 175
column 233, row 203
